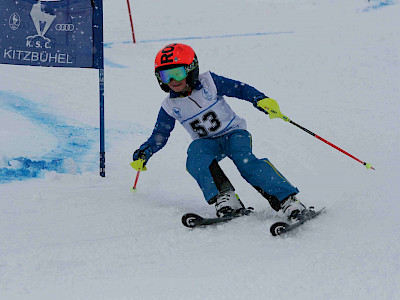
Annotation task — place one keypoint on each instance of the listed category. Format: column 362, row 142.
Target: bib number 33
column 199, row 125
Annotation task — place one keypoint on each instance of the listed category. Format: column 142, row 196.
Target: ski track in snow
column 73, row 143
column 76, row 150
column 378, row 4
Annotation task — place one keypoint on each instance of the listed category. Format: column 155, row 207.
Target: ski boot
column 292, row 208
column 227, row 204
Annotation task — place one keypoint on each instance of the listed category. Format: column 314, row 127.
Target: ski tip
column 278, row 228
column 191, row 220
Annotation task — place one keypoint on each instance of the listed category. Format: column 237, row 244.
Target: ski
column 192, row 220
column 279, row 228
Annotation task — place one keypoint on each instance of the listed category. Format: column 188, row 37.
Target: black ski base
column 192, row 220
column 279, row 228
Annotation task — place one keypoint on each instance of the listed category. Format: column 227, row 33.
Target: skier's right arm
column 233, row 88
column 161, row 132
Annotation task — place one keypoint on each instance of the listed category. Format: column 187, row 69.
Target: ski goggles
column 178, row 74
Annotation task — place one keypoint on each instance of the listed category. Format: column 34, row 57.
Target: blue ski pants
column 236, row 145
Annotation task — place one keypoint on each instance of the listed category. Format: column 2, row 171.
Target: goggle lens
column 178, row 74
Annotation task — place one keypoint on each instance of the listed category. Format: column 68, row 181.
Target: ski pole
column 367, row 165
column 136, row 181
column 272, row 107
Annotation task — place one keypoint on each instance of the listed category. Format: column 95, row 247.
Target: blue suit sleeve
column 161, row 132
column 233, row 88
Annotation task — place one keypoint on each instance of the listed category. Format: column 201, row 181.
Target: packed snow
column 333, row 67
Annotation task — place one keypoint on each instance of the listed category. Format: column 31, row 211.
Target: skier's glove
column 144, row 152
column 270, row 106
column 140, row 157
column 255, row 104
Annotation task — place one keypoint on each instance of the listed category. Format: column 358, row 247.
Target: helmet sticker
column 168, row 52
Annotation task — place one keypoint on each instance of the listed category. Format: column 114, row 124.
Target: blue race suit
column 218, row 132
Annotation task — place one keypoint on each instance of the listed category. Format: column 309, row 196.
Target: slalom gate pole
column 367, row 165
column 130, row 18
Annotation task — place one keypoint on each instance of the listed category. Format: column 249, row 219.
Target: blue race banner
column 55, row 33
column 50, row 33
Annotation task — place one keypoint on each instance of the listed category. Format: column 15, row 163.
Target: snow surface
column 333, row 66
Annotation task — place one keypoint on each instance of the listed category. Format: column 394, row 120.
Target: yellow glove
column 138, row 165
column 272, row 107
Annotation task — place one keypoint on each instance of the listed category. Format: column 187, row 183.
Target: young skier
column 198, row 103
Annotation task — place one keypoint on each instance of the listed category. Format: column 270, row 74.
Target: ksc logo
column 40, row 17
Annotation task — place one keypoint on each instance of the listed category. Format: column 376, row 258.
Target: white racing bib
column 204, row 114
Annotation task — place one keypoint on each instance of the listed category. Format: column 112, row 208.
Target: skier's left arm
column 233, row 88
column 161, row 132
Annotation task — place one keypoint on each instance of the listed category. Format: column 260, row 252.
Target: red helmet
column 175, row 55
